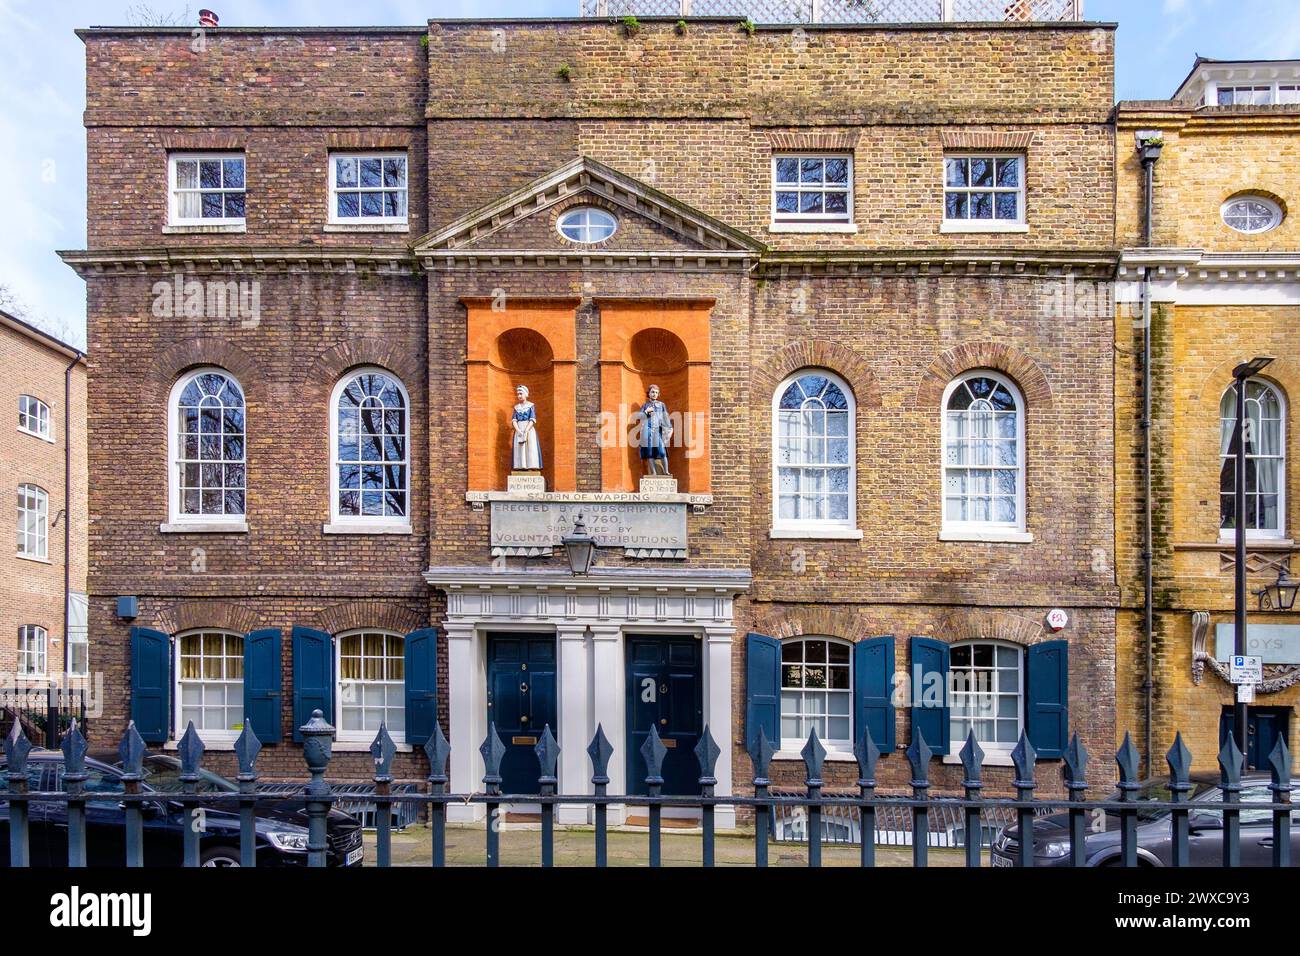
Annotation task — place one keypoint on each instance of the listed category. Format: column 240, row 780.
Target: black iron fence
column 45, row 711
column 1076, row 818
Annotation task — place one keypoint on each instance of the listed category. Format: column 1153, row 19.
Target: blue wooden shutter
column 262, row 693
column 873, row 682
column 930, row 717
column 151, row 684
column 421, row 685
column 313, row 676
column 762, row 689
column 1047, row 698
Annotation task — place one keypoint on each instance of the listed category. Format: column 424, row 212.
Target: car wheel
column 220, row 856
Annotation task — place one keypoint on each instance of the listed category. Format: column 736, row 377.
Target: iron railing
column 46, row 710
column 973, row 809
column 844, row 11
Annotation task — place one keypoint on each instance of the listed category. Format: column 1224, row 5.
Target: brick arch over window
column 1008, row 359
column 205, row 351
column 819, row 621
column 332, row 364
column 353, row 615
column 206, row 615
column 961, row 626
column 818, row 353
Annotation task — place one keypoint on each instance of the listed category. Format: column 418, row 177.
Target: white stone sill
column 48, row 439
column 832, row 756
column 816, row 534
column 365, row 529
column 197, row 229
column 814, row 227
column 206, row 527
column 982, row 226
column 367, row 227
column 991, row 759
column 33, row 559
column 988, row 537
column 359, row 746
column 220, row 746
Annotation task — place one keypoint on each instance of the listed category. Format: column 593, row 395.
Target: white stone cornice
column 1196, row 277
column 722, row 581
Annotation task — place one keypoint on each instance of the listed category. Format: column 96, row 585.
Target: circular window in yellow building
column 1251, row 214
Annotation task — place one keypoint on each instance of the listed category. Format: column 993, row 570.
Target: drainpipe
column 1149, row 156
column 67, row 512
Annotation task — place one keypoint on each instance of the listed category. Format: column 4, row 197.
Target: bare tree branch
column 145, row 15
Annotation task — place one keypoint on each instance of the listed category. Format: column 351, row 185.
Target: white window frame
column 832, row 745
column 586, row 210
column 383, row 220
column 224, row 736
column 44, row 429
column 805, row 528
column 1259, row 534
column 812, row 222
column 362, row 524
column 991, row 746
column 33, row 662
column 983, row 530
column 33, row 545
column 178, row 518
column 174, row 217
column 1019, row 224
column 1273, row 208
column 1271, row 89
column 366, row 736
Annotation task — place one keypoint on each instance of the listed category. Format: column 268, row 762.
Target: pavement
column 574, row 846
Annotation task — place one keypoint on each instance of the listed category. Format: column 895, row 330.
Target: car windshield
column 166, row 778
column 1157, row 791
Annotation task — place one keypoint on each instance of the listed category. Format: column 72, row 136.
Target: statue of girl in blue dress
column 527, row 447
column 656, row 433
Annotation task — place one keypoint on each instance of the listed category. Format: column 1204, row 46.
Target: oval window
column 587, row 224
column 1251, row 214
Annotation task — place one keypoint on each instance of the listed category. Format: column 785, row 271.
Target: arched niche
column 662, row 342
column 520, row 342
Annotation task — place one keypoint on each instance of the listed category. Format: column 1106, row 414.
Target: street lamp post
column 1242, row 374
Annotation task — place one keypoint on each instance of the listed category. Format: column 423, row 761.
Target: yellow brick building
column 1219, row 267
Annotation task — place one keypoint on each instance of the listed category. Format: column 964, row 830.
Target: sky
column 42, row 96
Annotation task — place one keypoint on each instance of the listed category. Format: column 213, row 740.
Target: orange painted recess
column 664, row 342
column 524, row 341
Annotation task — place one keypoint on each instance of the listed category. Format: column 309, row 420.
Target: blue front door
column 664, row 690
column 521, row 702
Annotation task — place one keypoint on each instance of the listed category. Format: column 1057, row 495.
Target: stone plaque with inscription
column 538, row 527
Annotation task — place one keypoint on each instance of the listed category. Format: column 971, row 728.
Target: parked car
column 281, row 824
column 1155, row 829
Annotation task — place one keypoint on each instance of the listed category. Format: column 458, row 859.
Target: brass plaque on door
column 524, row 741
column 670, row 744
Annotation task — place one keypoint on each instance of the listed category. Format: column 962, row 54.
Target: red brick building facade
column 869, row 269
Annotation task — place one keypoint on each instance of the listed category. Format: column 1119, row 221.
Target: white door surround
column 589, row 616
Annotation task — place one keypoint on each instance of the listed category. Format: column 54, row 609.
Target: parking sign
column 1247, row 670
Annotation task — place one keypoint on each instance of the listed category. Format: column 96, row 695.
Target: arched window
column 987, row 694
column 813, row 454
column 816, row 693
column 372, row 685
column 983, row 455
column 34, row 417
column 210, row 684
column 33, row 523
column 33, row 647
column 1265, row 438
column 370, row 479
column 209, row 467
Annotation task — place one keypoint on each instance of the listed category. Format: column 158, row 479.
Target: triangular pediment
column 657, row 224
